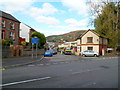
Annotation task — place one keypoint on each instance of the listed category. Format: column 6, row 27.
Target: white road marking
column 41, row 64
column 88, row 84
column 47, row 64
column 19, row 82
column 42, row 58
column 31, row 65
column 86, row 71
column 62, row 62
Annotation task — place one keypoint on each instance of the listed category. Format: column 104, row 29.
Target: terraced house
column 90, row 40
column 9, row 27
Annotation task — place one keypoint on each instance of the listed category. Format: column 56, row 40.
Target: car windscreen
column 47, row 52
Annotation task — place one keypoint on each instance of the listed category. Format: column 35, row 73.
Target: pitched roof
column 8, row 16
column 86, row 32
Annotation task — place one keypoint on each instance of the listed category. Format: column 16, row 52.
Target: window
column 3, row 23
column 12, row 36
column 11, row 25
column 2, row 36
column 90, row 48
column 89, row 39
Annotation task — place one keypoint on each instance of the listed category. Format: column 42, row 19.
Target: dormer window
column 3, row 23
column 89, row 39
column 11, row 25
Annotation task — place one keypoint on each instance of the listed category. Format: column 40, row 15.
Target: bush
column 23, row 43
column 7, row 42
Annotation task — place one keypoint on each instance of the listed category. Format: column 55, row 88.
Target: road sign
column 34, row 40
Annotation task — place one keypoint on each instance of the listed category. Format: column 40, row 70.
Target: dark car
column 54, row 51
column 48, row 53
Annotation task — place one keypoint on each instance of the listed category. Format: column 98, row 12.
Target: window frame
column 89, row 48
column 89, row 39
column 12, row 25
column 2, row 34
column 12, row 36
column 3, row 23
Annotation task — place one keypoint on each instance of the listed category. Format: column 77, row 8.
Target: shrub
column 7, row 42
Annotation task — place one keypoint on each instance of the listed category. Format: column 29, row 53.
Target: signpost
column 34, row 41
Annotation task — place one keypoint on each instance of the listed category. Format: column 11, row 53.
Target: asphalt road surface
column 64, row 71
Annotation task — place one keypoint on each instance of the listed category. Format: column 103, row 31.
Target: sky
column 50, row 17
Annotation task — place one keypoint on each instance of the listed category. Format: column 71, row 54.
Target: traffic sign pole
column 32, row 50
column 36, row 49
column 34, row 40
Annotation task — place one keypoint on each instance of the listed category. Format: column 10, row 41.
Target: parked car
column 48, row 53
column 68, row 51
column 54, row 51
column 90, row 53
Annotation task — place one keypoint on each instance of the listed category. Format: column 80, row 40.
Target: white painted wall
column 24, row 31
column 85, row 47
column 90, row 34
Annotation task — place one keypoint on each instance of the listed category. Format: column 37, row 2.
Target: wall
column 8, row 30
column 104, row 41
column 90, row 34
column 18, row 51
column 24, row 32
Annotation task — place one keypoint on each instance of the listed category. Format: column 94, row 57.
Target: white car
column 90, row 53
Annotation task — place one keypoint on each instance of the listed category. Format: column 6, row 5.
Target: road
column 64, row 71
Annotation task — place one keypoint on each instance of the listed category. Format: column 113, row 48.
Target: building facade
column 25, row 32
column 90, row 40
column 68, row 44
column 9, row 28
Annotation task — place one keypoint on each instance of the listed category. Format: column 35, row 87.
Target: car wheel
column 95, row 55
column 84, row 55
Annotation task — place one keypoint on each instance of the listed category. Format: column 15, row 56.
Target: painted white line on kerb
column 25, row 81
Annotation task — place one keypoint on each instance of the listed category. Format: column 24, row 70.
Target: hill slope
column 71, row 36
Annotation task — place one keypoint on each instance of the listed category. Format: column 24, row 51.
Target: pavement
column 19, row 61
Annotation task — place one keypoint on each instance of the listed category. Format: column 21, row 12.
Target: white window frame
column 12, row 25
column 12, row 35
column 3, row 23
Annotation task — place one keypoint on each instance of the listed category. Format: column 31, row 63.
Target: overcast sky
column 50, row 17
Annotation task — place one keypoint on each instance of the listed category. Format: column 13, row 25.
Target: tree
column 41, row 37
column 107, row 22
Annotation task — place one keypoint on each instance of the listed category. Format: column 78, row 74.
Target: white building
column 90, row 40
column 68, row 44
column 24, row 31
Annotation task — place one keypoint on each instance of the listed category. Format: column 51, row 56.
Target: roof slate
column 8, row 16
column 81, row 35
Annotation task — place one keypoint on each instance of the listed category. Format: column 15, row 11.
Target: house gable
column 90, row 34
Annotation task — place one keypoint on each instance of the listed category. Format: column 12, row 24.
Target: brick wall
column 18, row 51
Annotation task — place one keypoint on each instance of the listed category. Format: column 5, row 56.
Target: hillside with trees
column 71, row 36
